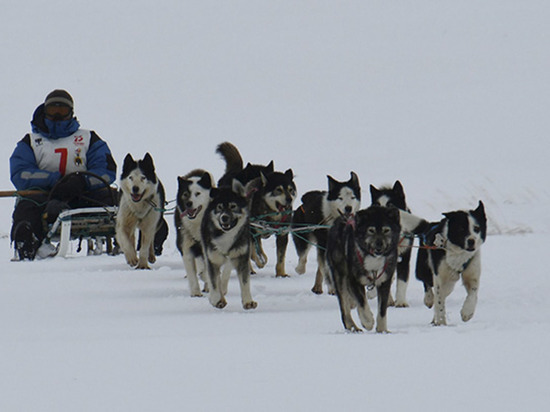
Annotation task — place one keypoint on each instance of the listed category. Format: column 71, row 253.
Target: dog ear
column 129, row 164
column 238, row 188
column 480, row 211
column 373, row 192
column 270, row 168
column 289, row 174
column 354, row 180
column 148, row 162
column 331, row 183
column 206, row 181
column 398, row 188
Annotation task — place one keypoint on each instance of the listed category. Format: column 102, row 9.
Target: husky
column 362, row 253
column 141, row 201
column 451, row 250
column 322, row 208
column 192, row 200
column 271, row 201
column 395, row 196
column 225, row 233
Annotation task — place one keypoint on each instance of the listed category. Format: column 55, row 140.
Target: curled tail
column 232, row 157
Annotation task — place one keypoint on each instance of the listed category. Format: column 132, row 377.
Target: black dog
column 362, row 252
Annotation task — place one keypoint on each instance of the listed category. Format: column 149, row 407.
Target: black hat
column 60, row 98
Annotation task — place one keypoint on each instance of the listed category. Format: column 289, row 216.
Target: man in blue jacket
column 52, row 159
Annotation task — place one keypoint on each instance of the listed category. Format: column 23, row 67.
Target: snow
column 449, row 97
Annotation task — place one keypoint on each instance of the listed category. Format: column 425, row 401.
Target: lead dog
column 192, row 199
column 271, row 200
column 452, row 252
column 141, row 202
column 322, row 208
column 225, row 233
column 362, row 252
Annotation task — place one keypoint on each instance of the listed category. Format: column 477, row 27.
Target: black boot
column 26, row 242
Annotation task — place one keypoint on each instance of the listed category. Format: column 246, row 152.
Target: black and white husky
column 141, row 207
column 271, row 200
column 192, row 200
column 225, row 233
column 362, row 253
column 395, row 196
column 450, row 251
column 322, row 208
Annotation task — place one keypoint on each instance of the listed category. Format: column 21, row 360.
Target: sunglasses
column 60, row 111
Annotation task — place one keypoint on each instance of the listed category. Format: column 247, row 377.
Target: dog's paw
column 401, row 304
column 250, row 305
column 301, row 268
column 152, row 258
column 466, row 314
column 132, row 260
column 429, row 298
column 222, row 303
column 143, row 266
column 318, row 290
column 196, row 294
column 282, row 275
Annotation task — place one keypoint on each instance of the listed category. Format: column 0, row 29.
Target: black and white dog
column 192, row 199
column 450, row 251
column 225, row 233
column 362, row 252
column 270, row 200
column 322, row 208
column 141, row 206
column 395, row 196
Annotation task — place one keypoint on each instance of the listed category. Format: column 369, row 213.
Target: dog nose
column 135, row 189
column 188, row 204
column 471, row 243
column 224, row 218
column 348, row 210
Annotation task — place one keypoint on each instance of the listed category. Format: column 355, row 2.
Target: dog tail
column 232, row 157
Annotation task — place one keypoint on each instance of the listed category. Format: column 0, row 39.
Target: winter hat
column 59, row 98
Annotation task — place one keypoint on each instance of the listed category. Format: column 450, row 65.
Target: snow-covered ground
column 452, row 98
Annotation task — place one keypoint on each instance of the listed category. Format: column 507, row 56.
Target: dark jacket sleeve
column 99, row 161
column 24, row 170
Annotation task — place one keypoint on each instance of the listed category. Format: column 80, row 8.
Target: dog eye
column 278, row 191
column 386, row 230
column 291, row 191
column 233, row 207
column 219, row 207
column 371, row 230
column 197, row 194
column 477, row 229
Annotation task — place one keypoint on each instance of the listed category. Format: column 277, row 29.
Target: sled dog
column 395, row 196
column 451, row 250
column 141, row 201
column 322, row 208
column 225, row 233
column 362, row 253
column 192, row 200
column 271, row 201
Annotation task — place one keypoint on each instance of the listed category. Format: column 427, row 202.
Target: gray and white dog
column 141, row 207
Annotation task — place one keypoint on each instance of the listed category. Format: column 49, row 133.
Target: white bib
column 66, row 154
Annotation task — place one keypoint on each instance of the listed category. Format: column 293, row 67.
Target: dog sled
column 94, row 225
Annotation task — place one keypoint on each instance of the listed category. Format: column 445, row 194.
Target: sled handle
column 16, row 193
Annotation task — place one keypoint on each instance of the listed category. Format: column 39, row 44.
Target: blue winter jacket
column 24, row 170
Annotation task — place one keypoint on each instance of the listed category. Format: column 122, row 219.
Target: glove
column 69, row 187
